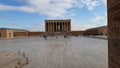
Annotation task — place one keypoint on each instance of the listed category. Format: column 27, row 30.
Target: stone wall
column 3, row 33
column 97, row 31
column 6, row 33
column 20, row 33
column 77, row 32
column 35, row 33
column 105, row 31
column 114, row 33
column 9, row 34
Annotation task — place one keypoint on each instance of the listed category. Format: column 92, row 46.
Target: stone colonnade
column 57, row 25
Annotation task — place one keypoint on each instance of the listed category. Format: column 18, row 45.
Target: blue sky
column 30, row 14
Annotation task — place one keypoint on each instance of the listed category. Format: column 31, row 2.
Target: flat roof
column 58, row 20
column 97, row 27
column 11, row 29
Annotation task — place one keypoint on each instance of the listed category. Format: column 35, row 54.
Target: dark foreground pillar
column 114, row 33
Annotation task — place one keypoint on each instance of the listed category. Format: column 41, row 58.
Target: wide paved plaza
column 73, row 52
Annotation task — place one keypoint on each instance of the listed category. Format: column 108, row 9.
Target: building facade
column 6, row 33
column 11, row 33
column 36, row 33
column 97, row 31
column 76, row 33
column 58, row 25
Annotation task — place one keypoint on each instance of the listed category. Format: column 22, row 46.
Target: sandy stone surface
column 74, row 52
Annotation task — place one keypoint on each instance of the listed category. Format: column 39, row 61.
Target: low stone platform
column 9, row 59
column 60, row 52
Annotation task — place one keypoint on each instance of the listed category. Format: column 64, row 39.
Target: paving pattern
column 74, row 52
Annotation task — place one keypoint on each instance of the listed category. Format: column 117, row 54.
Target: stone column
column 114, row 33
column 45, row 27
column 67, row 26
column 59, row 27
column 56, row 26
column 62, row 26
column 53, row 27
column 70, row 25
column 48, row 27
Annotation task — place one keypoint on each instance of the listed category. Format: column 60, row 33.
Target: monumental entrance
column 58, row 25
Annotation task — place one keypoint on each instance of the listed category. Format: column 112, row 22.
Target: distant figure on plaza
column 45, row 37
column 56, row 37
column 64, row 36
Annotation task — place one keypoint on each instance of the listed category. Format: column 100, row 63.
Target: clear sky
column 30, row 14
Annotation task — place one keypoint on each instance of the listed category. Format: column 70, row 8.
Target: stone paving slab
column 74, row 52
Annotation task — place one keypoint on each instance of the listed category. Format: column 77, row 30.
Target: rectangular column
column 70, row 26
column 48, row 27
column 67, row 26
column 56, row 26
column 45, row 27
column 53, row 26
column 62, row 26
column 114, row 33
